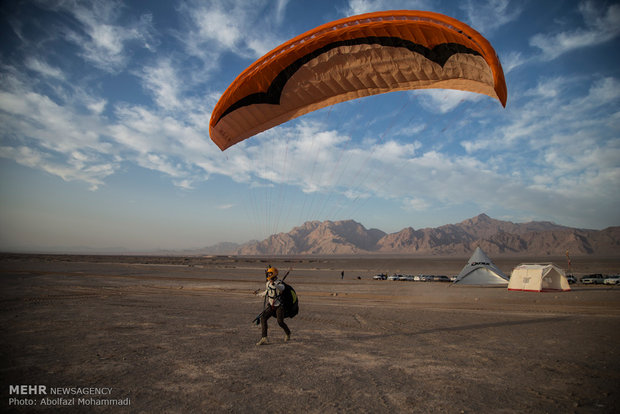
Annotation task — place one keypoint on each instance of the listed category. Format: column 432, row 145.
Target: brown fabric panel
column 317, row 85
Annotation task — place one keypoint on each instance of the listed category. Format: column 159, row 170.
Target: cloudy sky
column 105, row 105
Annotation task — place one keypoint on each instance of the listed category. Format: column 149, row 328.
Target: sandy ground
column 175, row 335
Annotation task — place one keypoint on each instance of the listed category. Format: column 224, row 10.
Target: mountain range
column 496, row 237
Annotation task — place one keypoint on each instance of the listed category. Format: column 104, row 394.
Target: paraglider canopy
column 354, row 57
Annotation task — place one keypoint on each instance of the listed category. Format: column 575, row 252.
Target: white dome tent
column 481, row 271
column 538, row 278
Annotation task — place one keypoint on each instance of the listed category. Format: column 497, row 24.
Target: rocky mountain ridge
column 496, row 237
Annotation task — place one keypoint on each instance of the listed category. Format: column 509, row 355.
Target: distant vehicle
column 571, row 279
column 392, row 277
column 593, row 279
column 408, row 278
column 380, row 276
column 612, row 280
column 441, row 278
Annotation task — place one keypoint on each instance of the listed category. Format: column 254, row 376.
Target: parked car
column 392, row 277
column 441, row 278
column 593, row 279
column 380, row 276
column 612, row 280
column 571, row 279
column 408, row 278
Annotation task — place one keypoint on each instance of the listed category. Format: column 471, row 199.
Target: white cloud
column 97, row 106
column 444, row 100
column 184, row 184
column 101, row 37
column 55, row 126
column 163, row 163
column 302, row 155
column 71, row 169
column 366, row 6
column 411, row 130
column 162, row 82
column 491, row 15
column 170, row 145
column 218, row 25
column 23, row 155
column 604, row 91
column 280, row 10
column 43, row 68
column 392, row 151
column 305, row 155
column 512, row 61
column 601, row 25
column 77, row 145
column 236, row 26
column 415, row 204
column 552, row 108
column 562, row 145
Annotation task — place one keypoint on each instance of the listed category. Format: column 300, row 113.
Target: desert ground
column 174, row 335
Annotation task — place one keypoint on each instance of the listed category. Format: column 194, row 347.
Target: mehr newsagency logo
column 43, row 395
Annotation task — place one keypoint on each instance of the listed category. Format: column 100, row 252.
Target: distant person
column 273, row 290
column 342, row 275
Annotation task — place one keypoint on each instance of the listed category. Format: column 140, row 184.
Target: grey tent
column 481, row 271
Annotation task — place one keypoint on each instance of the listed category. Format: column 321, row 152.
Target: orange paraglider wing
column 351, row 58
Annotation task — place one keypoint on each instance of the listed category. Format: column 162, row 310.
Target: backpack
column 289, row 301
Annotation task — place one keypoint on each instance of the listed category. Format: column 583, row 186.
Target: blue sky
column 105, row 105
